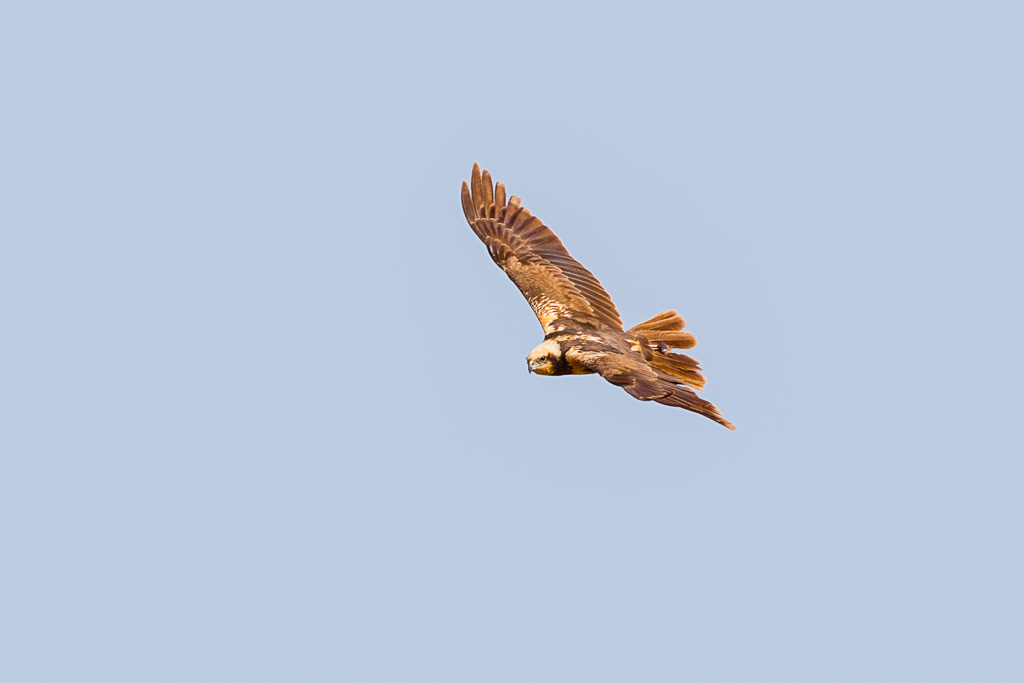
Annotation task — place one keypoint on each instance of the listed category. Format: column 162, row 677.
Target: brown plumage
column 583, row 331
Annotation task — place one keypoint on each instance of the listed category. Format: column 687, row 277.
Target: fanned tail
column 660, row 335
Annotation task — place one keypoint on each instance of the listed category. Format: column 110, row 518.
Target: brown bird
column 582, row 330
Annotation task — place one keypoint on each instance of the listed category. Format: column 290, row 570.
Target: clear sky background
column 266, row 415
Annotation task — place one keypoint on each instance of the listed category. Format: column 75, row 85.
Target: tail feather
column 664, row 330
column 672, row 340
column 666, row 321
column 660, row 335
column 681, row 367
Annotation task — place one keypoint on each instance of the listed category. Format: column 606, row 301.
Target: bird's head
column 544, row 359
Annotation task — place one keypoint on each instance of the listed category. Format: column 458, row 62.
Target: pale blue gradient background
column 266, row 413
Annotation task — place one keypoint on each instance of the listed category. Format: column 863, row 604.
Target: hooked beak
column 529, row 366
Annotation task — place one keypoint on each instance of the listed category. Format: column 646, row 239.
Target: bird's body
column 583, row 331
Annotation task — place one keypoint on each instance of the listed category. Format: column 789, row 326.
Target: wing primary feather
column 488, row 194
column 499, row 198
column 478, row 190
column 468, row 207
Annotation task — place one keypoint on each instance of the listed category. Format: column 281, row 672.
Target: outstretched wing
column 642, row 381
column 553, row 282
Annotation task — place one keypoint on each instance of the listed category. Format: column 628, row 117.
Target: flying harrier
column 582, row 330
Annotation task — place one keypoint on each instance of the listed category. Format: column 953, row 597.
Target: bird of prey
column 583, row 333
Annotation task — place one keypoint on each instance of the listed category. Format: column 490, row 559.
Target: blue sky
column 267, row 416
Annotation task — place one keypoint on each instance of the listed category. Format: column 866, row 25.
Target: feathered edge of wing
column 553, row 282
column 644, row 382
